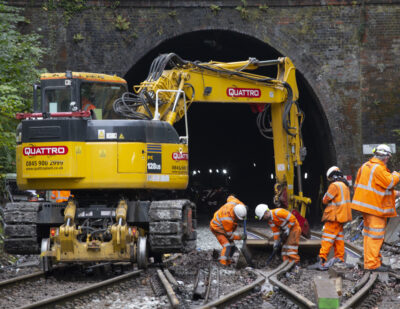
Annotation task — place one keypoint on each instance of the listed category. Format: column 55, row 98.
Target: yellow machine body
column 99, row 165
column 108, row 152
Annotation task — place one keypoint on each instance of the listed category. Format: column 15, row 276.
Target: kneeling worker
column 224, row 224
column 285, row 225
column 337, row 212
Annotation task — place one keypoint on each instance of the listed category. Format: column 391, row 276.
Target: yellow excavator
column 119, row 155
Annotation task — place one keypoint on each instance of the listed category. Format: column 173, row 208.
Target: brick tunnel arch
column 225, row 136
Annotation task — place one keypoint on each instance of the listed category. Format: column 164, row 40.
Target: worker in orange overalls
column 224, row 224
column 60, row 196
column 283, row 225
column 335, row 215
column 87, row 105
column 374, row 196
column 87, row 97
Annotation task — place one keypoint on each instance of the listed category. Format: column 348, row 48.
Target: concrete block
column 392, row 230
column 325, row 293
column 338, row 282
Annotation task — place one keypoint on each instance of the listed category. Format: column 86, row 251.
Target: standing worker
column 224, row 224
column 374, row 196
column 284, row 225
column 337, row 212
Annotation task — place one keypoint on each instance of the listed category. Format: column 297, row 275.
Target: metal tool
column 245, row 250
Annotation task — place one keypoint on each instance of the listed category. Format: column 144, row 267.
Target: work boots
column 380, row 269
column 335, row 261
column 320, row 265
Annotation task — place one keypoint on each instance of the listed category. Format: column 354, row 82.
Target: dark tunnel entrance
column 226, row 150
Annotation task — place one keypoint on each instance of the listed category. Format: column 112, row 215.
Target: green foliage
column 396, row 133
column 70, row 7
column 263, row 7
column 20, row 55
column 244, row 12
column 115, row 4
column 215, row 8
column 78, row 37
column 172, row 13
column 121, row 23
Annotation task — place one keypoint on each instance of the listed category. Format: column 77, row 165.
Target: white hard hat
column 331, row 170
column 240, row 211
column 260, row 210
column 382, row 150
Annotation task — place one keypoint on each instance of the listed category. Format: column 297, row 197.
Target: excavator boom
column 169, row 92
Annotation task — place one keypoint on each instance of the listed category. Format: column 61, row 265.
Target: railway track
column 357, row 295
column 196, row 281
column 17, row 280
column 83, row 291
column 39, row 290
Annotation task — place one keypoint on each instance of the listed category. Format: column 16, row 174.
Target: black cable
column 265, row 130
column 230, row 72
column 129, row 103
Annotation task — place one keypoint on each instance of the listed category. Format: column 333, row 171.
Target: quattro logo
column 178, row 156
column 243, row 92
column 45, row 151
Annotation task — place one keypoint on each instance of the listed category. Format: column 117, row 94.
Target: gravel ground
column 24, row 265
column 138, row 293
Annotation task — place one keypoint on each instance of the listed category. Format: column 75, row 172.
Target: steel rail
column 77, row 293
column 276, row 270
column 356, row 297
column 227, row 298
column 296, row 296
column 361, row 283
column 209, row 280
column 257, row 232
column 170, row 278
column 20, row 279
column 255, row 235
column 285, row 266
column 173, row 300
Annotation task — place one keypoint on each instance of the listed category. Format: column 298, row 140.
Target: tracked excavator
column 119, row 154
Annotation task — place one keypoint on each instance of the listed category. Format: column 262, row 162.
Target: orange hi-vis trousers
column 374, row 234
column 291, row 247
column 225, row 257
column 332, row 235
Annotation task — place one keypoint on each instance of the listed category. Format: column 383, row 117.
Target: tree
column 20, row 55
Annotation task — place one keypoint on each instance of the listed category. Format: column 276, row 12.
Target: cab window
column 57, row 99
column 100, row 98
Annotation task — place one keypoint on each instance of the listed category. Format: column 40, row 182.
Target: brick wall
column 347, row 51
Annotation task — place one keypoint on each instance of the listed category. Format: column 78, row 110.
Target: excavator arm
column 166, row 94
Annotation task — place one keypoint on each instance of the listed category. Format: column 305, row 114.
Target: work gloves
column 243, row 236
column 285, row 233
column 276, row 245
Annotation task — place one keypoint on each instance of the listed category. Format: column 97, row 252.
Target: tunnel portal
column 227, row 152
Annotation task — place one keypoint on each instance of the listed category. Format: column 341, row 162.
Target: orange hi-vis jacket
column 281, row 218
column 339, row 204
column 225, row 221
column 374, row 189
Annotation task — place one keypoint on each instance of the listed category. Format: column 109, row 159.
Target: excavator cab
column 72, row 92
